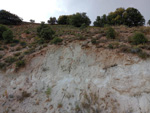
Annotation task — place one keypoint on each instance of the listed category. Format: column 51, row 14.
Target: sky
column 42, row 10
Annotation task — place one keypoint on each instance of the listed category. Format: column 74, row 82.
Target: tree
column 116, row 18
column 133, row 17
column 52, row 20
column 63, row 20
column 8, row 18
column 148, row 23
column 130, row 17
column 32, row 21
column 78, row 19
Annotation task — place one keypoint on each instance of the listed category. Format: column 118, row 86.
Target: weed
column 48, row 91
column 20, row 63
column 59, row 105
column 56, row 40
column 10, row 59
column 138, row 38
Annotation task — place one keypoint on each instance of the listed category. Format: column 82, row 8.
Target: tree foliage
column 133, row 17
column 130, row 17
column 32, row 21
column 148, row 23
column 8, row 18
column 63, row 20
column 78, row 19
column 52, row 20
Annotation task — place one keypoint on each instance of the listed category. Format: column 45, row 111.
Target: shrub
column 2, row 30
column 39, row 40
column 8, row 36
column 113, row 45
column 20, row 63
column 17, row 54
column 23, row 44
column 27, row 32
column 56, row 40
column 48, row 91
column 16, row 41
column 29, row 51
column 94, row 41
column 143, row 55
column 42, row 26
column 138, row 38
column 47, row 33
column 10, row 59
column 83, row 26
column 2, row 65
column 110, row 33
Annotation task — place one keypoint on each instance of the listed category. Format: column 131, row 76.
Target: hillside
column 85, row 73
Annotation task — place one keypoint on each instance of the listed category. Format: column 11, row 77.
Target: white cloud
column 40, row 10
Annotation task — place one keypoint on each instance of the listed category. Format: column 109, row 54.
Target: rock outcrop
column 72, row 79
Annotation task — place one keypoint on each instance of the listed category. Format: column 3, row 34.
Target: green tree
column 148, row 23
column 8, row 18
column 63, row 20
column 52, row 20
column 98, row 22
column 133, row 17
column 32, row 21
column 78, row 19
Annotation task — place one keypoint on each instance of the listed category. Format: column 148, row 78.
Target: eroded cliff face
column 72, row 79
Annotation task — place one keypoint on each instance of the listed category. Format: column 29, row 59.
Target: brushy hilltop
column 28, row 39
column 19, row 40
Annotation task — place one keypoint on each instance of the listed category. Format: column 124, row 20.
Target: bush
column 23, row 44
column 8, row 36
column 138, row 38
column 83, row 26
column 94, row 41
column 45, row 32
column 10, row 59
column 143, row 55
column 2, row 30
column 42, row 26
column 110, row 33
column 20, row 63
column 56, row 40
column 2, row 65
